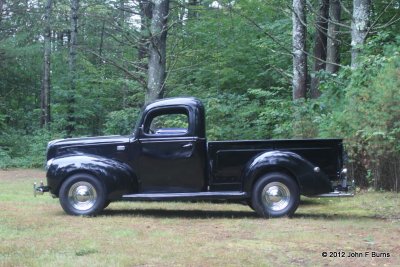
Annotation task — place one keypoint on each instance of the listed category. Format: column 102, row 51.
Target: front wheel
column 275, row 195
column 82, row 194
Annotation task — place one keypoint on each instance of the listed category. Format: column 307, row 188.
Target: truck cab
column 168, row 158
column 171, row 147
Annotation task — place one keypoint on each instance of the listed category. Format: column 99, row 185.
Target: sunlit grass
column 36, row 232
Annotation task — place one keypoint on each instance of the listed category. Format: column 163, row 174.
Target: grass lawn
column 36, row 232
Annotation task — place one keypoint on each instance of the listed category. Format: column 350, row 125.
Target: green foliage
column 225, row 51
column 254, row 115
column 363, row 106
column 18, row 84
column 19, row 149
column 5, row 159
column 377, row 107
column 121, row 121
column 230, row 117
column 239, row 73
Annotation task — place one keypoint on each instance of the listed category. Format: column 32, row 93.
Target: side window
column 175, row 122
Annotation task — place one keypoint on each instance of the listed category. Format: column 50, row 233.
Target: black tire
column 82, row 194
column 275, row 195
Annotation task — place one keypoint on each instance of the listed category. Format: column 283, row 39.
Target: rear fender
column 310, row 182
column 117, row 177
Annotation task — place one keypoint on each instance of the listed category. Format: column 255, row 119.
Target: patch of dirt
column 22, row 174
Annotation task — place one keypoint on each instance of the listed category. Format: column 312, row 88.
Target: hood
column 91, row 145
column 114, row 139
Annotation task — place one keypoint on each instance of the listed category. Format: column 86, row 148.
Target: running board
column 187, row 196
column 336, row 194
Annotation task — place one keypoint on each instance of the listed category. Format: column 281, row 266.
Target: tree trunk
column 46, row 83
column 192, row 12
column 72, row 67
column 332, row 51
column 320, row 41
column 101, row 41
column 299, row 48
column 146, row 13
column 359, row 28
column 157, row 51
column 1, row 10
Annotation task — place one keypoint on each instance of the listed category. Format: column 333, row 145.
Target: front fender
column 309, row 181
column 117, row 177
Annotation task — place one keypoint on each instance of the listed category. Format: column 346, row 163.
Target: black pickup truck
column 169, row 158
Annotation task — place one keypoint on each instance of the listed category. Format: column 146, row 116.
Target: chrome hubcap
column 82, row 196
column 275, row 196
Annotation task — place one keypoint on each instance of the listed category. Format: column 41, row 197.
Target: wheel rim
column 82, row 196
column 275, row 196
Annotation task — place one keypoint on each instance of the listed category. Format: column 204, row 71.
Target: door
column 171, row 158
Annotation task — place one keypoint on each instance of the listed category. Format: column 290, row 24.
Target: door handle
column 120, row 148
column 187, row 145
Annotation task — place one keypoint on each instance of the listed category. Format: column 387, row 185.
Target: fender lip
column 48, row 163
column 302, row 170
column 118, row 177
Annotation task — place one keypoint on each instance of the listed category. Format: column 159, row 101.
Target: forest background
column 263, row 68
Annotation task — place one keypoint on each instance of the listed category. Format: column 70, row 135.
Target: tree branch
column 346, row 10
column 390, row 22
column 133, row 75
column 285, row 75
column 275, row 40
column 380, row 15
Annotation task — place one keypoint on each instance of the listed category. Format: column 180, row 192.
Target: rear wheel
column 275, row 195
column 82, row 194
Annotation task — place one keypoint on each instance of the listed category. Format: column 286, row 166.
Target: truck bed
column 228, row 158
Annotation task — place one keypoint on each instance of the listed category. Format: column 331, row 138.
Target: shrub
column 18, row 149
column 366, row 112
column 121, row 121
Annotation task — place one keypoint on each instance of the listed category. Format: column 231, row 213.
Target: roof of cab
column 173, row 101
column 193, row 103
